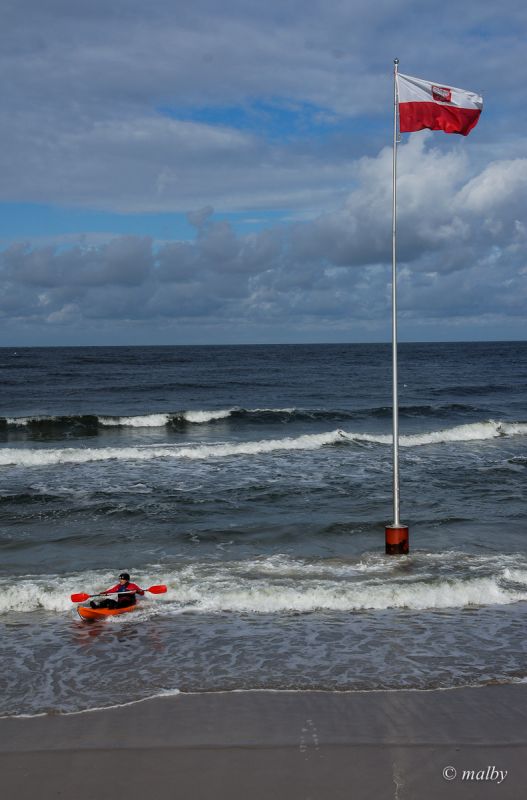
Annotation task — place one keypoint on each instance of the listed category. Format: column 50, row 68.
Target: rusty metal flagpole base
column 396, row 540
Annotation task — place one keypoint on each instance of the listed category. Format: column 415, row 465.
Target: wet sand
column 276, row 745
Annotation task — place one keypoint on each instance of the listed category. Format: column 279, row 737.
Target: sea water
column 255, row 482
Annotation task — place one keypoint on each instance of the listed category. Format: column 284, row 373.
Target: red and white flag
column 423, row 104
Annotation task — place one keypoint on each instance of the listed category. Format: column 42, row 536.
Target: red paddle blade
column 157, row 589
column 80, row 597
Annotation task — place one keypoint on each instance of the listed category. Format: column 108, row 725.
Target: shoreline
column 275, row 744
column 171, row 693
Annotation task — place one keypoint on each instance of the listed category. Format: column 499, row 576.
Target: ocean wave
column 281, row 584
column 264, row 598
column 29, row 457
column 93, row 422
column 178, row 419
column 474, row 431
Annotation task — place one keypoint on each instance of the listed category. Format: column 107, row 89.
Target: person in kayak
column 126, row 594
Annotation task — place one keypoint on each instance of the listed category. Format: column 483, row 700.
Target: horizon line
column 262, row 344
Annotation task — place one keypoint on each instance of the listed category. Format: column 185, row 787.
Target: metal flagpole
column 396, row 534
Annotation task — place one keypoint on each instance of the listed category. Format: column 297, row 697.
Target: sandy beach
column 258, row 745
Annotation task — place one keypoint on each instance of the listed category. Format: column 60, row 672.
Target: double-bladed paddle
column 82, row 596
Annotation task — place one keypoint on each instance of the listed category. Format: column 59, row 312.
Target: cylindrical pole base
column 396, row 540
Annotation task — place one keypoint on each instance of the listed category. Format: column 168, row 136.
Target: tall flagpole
column 396, row 534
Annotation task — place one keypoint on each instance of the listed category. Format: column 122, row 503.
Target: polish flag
column 441, row 108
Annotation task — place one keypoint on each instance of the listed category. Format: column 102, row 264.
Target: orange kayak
column 86, row 612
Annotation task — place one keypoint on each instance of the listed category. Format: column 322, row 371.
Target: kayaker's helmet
column 125, row 576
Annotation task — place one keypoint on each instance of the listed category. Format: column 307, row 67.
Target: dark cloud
column 125, row 261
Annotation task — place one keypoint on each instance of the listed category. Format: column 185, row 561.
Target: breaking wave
column 92, row 422
column 29, row 457
column 180, row 419
column 475, row 431
column 259, row 597
column 478, row 431
column 280, row 584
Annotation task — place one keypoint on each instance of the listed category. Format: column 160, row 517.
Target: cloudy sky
column 208, row 172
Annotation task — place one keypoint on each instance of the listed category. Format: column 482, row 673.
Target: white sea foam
column 280, row 584
column 139, row 421
column 49, row 592
column 37, row 457
column 262, row 598
column 22, row 422
column 200, row 417
column 518, row 576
